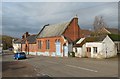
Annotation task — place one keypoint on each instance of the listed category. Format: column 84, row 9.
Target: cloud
column 18, row 17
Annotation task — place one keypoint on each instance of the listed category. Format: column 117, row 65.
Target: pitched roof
column 53, row 30
column 23, row 41
column 91, row 39
column 31, row 38
column 18, row 41
column 113, row 30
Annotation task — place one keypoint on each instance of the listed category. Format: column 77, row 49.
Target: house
column 29, row 43
column 108, row 31
column 58, row 39
column 16, row 43
column 95, row 47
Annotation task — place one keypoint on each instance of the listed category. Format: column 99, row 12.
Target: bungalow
column 58, row 39
column 95, row 47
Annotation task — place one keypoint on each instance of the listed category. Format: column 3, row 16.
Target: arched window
column 39, row 44
column 47, row 44
column 57, row 40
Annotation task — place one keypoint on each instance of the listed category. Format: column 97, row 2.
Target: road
column 59, row 67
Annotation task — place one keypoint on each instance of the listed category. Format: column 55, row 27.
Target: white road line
column 82, row 68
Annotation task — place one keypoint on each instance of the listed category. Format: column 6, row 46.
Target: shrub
column 71, row 54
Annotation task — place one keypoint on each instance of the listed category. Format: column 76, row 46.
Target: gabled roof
column 91, row 39
column 53, row 30
column 113, row 30
column 23, row 41
column 31, row 38
column 18, row 41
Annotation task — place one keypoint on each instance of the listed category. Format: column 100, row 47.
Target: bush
column 71, row 54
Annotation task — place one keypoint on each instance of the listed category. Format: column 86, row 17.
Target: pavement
column 38, row 66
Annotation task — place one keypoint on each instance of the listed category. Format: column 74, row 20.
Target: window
column 57, row 40
column 88, row 49
column 39, row 44
column 94, row 49
column 47, row 44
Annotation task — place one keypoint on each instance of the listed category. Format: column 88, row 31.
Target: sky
column 19, row 17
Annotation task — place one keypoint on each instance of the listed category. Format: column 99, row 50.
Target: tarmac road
column 59, row 67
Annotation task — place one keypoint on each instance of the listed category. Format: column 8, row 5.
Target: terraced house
column 53, row 40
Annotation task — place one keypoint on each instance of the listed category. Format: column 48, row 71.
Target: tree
column 6, row 41
column 99, row 23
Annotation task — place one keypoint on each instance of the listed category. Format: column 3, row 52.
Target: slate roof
column 23, row 41
column 53, row 30
column 18, row 41
column 31, row 38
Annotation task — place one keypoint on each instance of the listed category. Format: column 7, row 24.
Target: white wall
column 109, row 47
column 105, row 49
column 79, row 51
column 99, row 49
column 16, row 47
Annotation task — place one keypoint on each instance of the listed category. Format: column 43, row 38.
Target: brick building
column 57, row 39
column 53, row 40
column 29, row 43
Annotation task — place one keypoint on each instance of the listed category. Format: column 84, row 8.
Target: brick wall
column 73, row 30
column 52, row 44
column 32, row 47
column 23, row 47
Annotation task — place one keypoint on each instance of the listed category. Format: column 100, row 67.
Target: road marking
column 82, row 68
column 74, row 66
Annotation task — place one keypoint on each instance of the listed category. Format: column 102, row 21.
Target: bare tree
column 99, row 23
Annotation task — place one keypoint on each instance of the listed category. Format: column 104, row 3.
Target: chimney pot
column 76, row 16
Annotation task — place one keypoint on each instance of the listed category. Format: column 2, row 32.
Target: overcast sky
column 19, row 17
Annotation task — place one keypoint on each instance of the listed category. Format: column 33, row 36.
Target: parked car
column 20, row 55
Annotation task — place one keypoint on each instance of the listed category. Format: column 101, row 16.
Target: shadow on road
column 7, row 65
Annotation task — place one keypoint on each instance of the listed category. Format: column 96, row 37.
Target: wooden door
column 88, row 53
